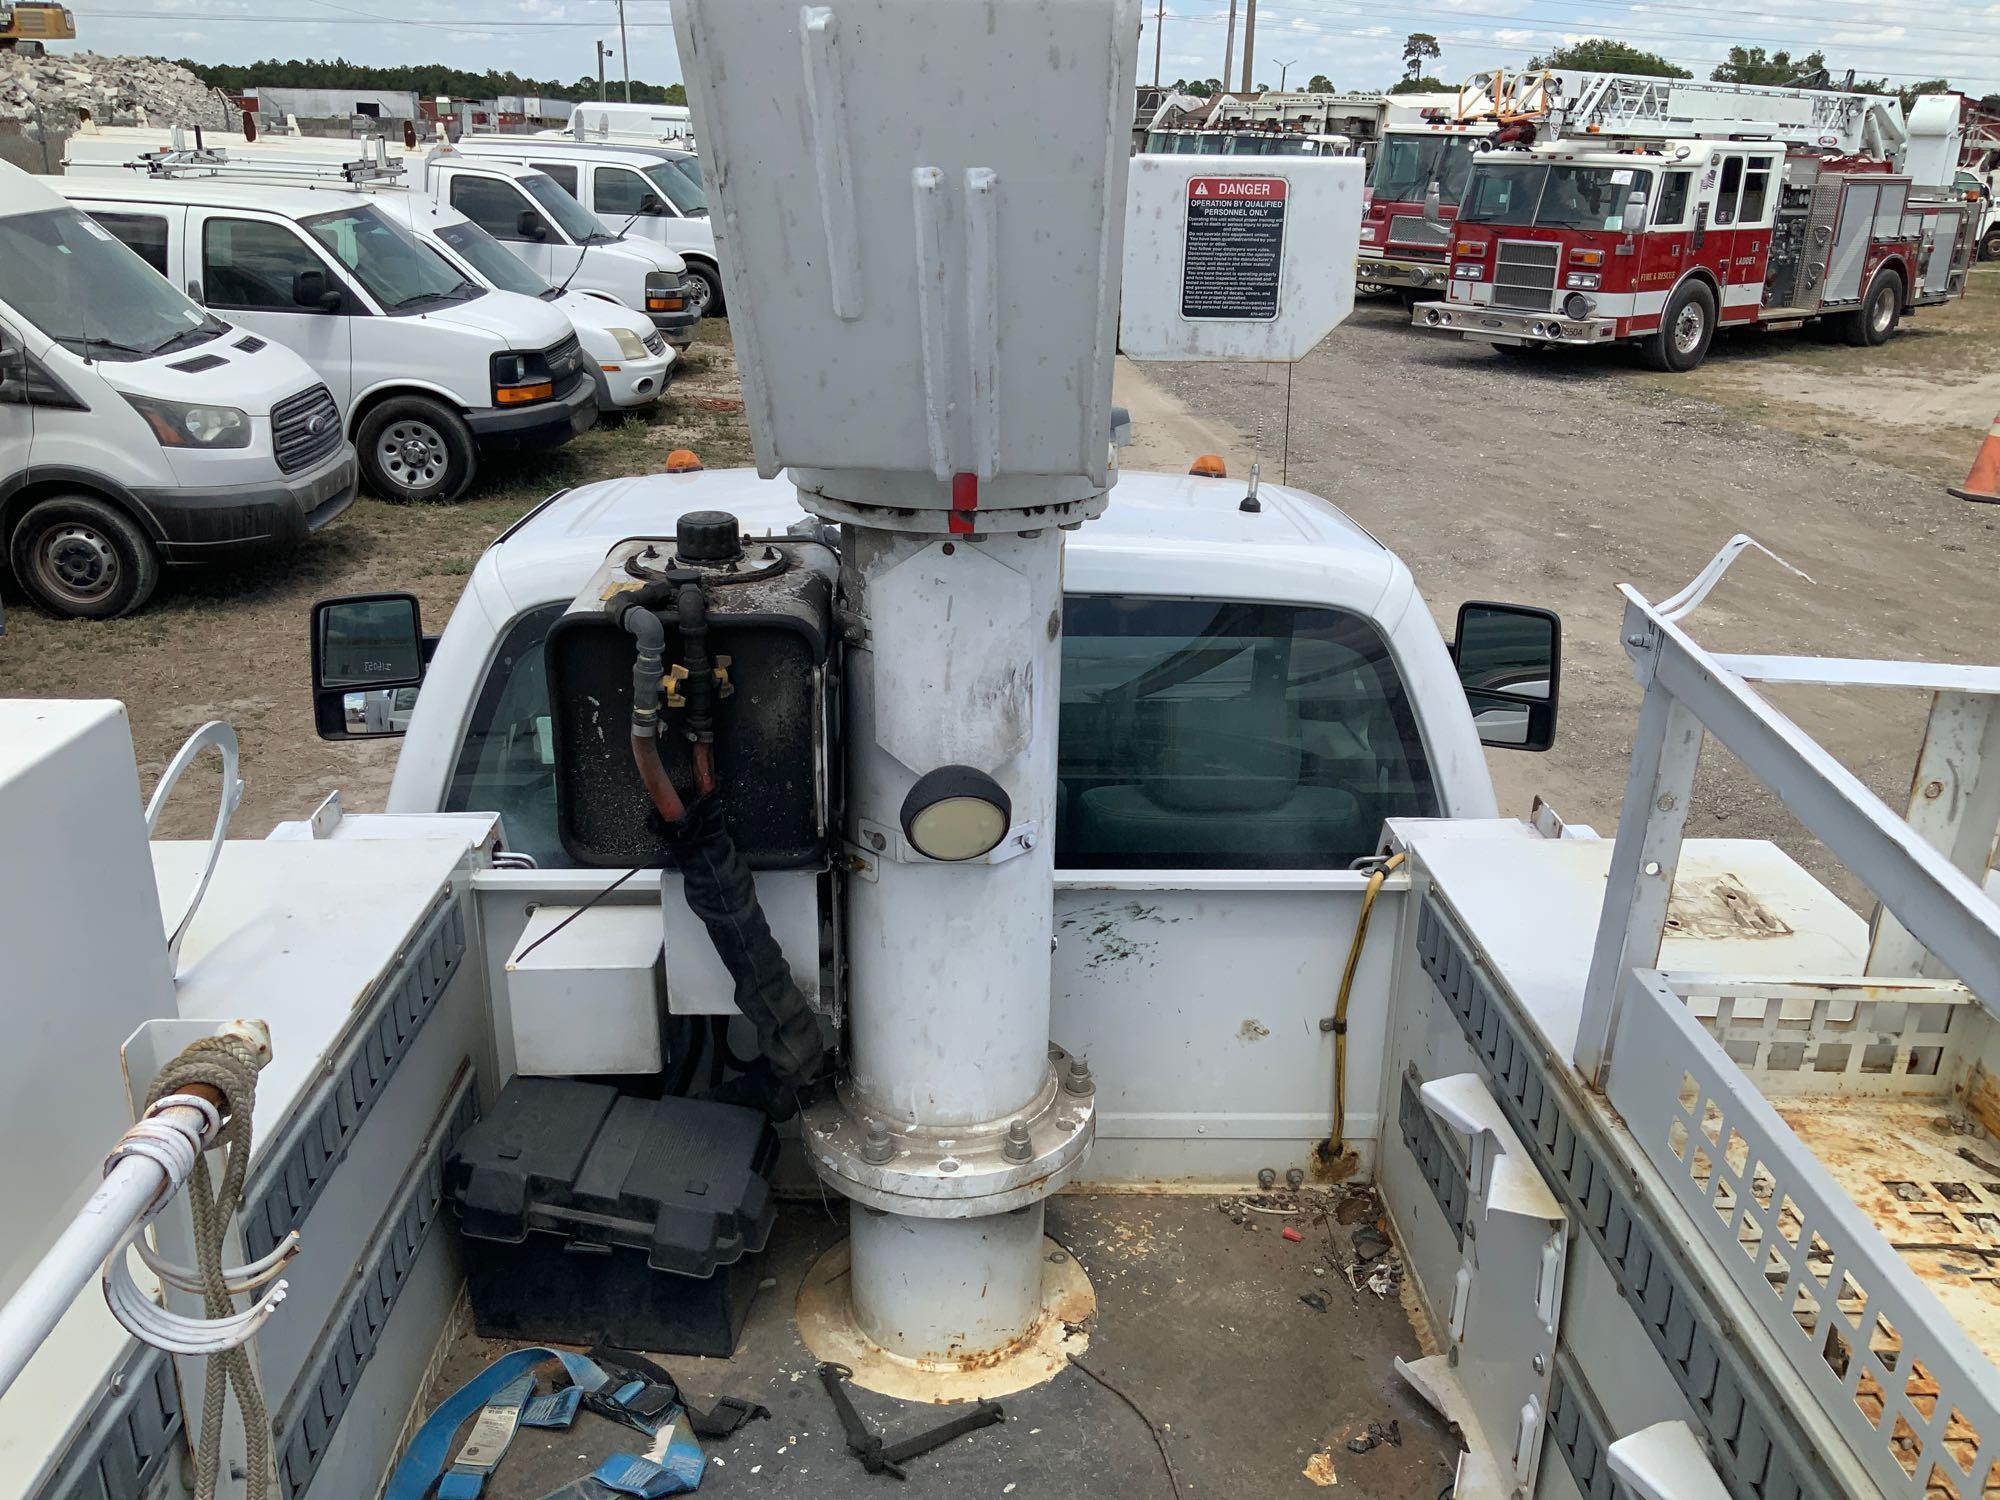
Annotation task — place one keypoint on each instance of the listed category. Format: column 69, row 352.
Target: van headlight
column 630, row 345
column 179, row 425
column 522, row 378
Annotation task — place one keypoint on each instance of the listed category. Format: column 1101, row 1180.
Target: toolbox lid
column 681, row 1179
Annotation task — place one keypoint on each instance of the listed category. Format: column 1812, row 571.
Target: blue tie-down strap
column 425, row 1461
column 557, row 1409
column 678, row 1472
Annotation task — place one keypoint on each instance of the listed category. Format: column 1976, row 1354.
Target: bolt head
column 1541, row 1364
column 1019, row 1145
column 1933, row 790
column 1267, row 1177
column 876, row 1147
column 1078, row 1080
column 1295, row 1177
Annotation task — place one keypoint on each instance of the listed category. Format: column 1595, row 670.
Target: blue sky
column 1355, row 43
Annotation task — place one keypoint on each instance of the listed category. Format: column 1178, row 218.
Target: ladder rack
column 181, row 160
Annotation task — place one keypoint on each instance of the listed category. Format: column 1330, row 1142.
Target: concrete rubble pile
column 46, row 93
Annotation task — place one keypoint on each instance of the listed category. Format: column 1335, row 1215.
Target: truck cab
column 1246, row 695
column 136, row 428
column 1406, row 238
column 636, row 189
column 430, row 369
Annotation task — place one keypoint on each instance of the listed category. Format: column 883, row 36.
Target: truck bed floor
column 1199, row 1321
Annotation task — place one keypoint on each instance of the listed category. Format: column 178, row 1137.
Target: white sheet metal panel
column 1850, row 241
column 843, row 178
column 1311, row 218
column 86, row 963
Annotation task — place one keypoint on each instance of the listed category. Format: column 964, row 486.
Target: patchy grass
column 231, row 642
column 1920, row 403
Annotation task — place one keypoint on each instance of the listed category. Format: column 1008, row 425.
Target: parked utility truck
column 1012, row 846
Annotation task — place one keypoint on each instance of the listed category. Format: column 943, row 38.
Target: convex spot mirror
column 367, row 662
column 1509, row 660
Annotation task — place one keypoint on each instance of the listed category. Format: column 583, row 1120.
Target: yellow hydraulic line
column 1335, row 1141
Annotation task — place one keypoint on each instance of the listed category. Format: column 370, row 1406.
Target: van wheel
column 710, row 291
column 1874, row 322
column 82, row 559
column 413, row 448
column 1687, row 328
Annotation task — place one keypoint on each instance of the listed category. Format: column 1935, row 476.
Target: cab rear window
column 1194, row 735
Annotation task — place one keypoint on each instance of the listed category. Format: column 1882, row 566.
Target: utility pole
column 1249, row 45
column 600, row 70
column 1283, row 68
column 1159, row 34
column 1229, row 47
column 625, row 50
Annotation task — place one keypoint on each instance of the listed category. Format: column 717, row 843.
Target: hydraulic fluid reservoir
column 766, row 608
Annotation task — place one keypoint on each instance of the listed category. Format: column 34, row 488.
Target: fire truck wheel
column 1874, row 322
column 1686, row 330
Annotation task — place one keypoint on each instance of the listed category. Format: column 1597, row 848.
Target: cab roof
column 626, row 153
column 1157, row 527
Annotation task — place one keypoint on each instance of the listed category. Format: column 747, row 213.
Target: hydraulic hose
column 1335, row 1145
column 649, row 664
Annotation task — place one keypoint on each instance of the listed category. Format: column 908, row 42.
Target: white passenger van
column 553, row 235
column 636, row 189
column 430, row 368
column 137, row 429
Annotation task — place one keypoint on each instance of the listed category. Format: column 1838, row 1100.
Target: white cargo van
column 541, row 224
column 629, row 359
column 430, row 368
column 655, row 123
column 635, row 189
column 136, row 429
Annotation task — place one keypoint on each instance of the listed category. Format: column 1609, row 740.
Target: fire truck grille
column 1524, row 275
column 1418, row 232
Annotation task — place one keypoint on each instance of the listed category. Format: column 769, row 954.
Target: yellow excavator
column 26, row 24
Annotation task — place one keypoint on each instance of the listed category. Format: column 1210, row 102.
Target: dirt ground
column 1545, row 481
column 231, row 643
column 1551, row 480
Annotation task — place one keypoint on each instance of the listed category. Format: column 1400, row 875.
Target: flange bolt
column 1018, row 1146
column 876, row 1148
column 1295, row 1177
column 1079, row 1080
column 1267, row 1178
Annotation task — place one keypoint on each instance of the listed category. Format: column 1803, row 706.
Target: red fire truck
column 1645, row 238
column 1404, row 248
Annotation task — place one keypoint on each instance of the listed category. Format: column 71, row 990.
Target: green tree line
column 427, row 79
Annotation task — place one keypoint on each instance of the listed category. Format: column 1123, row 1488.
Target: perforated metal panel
column 129, row 1439
column 291, row 1175
column 1580, row 1432
column 1441, row 1171
column 1758, row 1452
column 310, row 1418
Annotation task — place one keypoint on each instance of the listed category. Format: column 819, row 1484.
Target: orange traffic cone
column 1983, row 483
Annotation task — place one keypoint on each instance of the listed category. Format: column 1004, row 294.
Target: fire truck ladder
column 1622, row 104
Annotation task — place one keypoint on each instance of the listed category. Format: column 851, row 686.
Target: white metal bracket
column 1665, row 1462
column 1506, row 1305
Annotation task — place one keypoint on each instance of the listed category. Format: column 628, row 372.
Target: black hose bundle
column 721, row 892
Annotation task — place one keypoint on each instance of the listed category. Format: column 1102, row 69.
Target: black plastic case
column 590, row 1216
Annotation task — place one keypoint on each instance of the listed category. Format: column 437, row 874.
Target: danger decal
column 1234, row 254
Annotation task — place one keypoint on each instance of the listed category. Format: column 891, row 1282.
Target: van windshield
column 81, row 287
column 1554, row 197
column 1407, row 165
column 492, row 259
column 680, row 190
column 571, row 217
column 389, row 261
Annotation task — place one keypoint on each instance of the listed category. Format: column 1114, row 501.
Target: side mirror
column 1509, row 660
column 530, row 226
column 651, row 204
column 1433, row 203
column 367, row 664
column 1634, row 217
column 309, row 290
